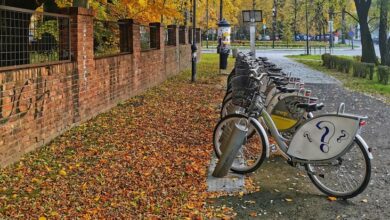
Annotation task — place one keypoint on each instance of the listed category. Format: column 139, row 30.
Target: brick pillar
column 126, row 35
column 156, row 35
column 81, row 29
column 172, row 35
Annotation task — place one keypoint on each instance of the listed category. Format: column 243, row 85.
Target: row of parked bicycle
column 261, row 101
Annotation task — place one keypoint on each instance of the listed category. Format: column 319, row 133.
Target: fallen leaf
column 253, row 214
column 42, row 218
column 332, row 198
column 364, row 200
column 62, row 172
column 288, row 200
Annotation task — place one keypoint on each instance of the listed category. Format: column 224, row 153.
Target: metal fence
column 107, row 38
column 170, row 36
column 32, row 37
column 149, row 37
column 182, row 35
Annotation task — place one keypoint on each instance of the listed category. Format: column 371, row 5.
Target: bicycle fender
column 267, row 147
column 366, row 147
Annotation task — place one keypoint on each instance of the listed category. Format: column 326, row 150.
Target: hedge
column 383, row 74
column 345, row 65
column 363, row 70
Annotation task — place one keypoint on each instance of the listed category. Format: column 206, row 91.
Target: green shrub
column 371, row 67
column 383, row 74
column 357, row 58
column 363, row 70
column 326, row 60
column 343, row 64
column 334, row 62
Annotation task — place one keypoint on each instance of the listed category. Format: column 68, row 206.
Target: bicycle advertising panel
column 324, row 137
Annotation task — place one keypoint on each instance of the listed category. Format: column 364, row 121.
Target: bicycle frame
column 281, row 142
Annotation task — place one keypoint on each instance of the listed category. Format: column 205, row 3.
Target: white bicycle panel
column 323, row 137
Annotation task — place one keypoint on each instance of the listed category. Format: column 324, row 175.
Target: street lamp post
column 193, row 46
column 307, row 30
column 207, row 24
column 253, row 30
column 274, row 15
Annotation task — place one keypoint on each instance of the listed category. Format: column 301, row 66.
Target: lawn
column 146, row 158
column 372, row 87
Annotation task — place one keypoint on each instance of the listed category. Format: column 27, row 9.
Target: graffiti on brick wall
column 19, row 101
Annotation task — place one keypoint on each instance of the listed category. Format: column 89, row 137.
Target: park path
column 287, row 193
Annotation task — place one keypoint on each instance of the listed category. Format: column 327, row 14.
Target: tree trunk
column 384, row 40
column 368, row 50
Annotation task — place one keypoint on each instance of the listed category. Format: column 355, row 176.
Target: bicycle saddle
column 286, row 90
column 311, row 107
column 280, row 82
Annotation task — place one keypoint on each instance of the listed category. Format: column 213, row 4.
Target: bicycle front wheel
column 252, row 152
column 347, row 176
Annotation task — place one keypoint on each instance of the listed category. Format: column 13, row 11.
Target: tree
column 384, row 39
column 368, row 51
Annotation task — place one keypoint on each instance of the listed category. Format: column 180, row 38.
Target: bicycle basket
column 243, row 88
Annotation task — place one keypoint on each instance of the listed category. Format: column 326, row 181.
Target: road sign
column 264, row 26
column 252, row 15
column 351, row 34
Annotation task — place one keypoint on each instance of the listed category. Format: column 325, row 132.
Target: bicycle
column 328, row 146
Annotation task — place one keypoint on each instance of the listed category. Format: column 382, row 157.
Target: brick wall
column 39, row 103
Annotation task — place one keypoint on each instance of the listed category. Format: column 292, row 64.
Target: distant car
column 265, row 38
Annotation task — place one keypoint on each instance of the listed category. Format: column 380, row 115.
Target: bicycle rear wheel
column 347, row 177
column 252, row 152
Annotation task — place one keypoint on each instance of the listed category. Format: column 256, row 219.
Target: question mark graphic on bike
column 344, row 136
column 329, row 130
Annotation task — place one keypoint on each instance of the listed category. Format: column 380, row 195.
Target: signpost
column 351, row 35
column 252, row 17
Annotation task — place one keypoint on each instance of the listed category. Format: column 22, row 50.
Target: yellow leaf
column 62, row 172
column 241, row 193
column 190, row 206
column 97, row 198
column 332, row 198
column 288, row 200
column 42, row 218
column 84, row 186
column 35, row 180
column 54, row 213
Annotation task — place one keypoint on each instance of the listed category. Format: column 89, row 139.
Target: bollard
column 230, row 150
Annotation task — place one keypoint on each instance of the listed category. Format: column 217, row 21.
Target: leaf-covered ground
column 145, row 158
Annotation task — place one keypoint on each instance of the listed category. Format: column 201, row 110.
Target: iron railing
column 32, row 37
column 182, row 35
column 170, row 36
column 107, row 38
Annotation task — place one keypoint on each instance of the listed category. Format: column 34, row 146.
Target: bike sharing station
column 262, row 101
